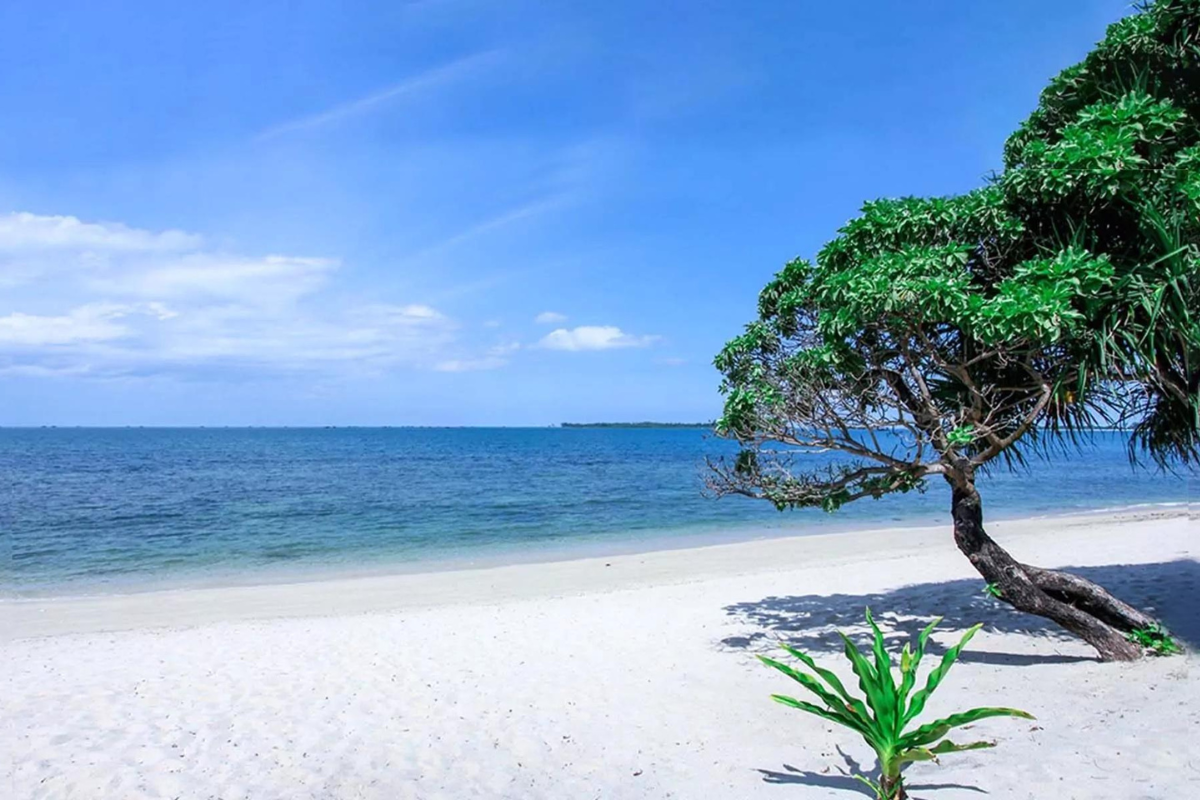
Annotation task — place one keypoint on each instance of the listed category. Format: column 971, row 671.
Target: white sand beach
column 627, row 677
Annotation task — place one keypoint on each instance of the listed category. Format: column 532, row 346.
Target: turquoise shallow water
column 88, row 510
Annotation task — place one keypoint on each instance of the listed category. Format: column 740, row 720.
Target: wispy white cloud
column 593, row 337
column 471, row 364
column 42, row 371
column 160, row 302
column 430, row 79
column 95, row 322
column 670, row 362
column 495, row 358
column 493, row 223
column 550, row 318
column 24, row 232
column 222, row 275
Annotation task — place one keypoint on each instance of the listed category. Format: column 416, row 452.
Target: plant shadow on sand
column 843, row 778
column 1170, row 590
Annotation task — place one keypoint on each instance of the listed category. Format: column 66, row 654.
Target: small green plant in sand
column 883, row 715
column 1156, row 639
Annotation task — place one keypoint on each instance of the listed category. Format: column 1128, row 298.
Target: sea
column 87, row 511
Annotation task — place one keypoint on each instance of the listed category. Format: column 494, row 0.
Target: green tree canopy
column 934, row 336
column 1110, row 160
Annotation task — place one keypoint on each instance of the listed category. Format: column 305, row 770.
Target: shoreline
column 391, row 591
column 610, row 544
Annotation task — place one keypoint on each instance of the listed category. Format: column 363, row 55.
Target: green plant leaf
column 931, row 753
column 1156, row 639
column 844, row 713
column 915, row 754
column 886, row 711
column 824, row 713
column 868, row 681
column 910, row 676
column 857, row 705
column 950, row 747
column 931, row 732
column 935, row 677
column 875, row 787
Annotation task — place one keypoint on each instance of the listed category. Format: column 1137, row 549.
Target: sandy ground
column 631, row 677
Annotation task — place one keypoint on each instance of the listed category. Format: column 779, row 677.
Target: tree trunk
column 1082, row 607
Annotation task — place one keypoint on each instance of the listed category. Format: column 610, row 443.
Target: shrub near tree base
column 944, row 336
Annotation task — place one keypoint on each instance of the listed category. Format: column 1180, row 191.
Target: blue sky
column 457, row 212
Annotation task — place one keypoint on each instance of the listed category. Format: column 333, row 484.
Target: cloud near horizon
column 106, row 299
column 593, row 337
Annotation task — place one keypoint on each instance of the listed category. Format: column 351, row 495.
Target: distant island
column 637, row 424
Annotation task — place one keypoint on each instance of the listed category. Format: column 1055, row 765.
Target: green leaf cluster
column 1078, row 264
column 1156, row 639
column 1109, row 160
column 884, row 715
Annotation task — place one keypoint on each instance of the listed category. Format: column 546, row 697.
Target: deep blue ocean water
column 86, row 510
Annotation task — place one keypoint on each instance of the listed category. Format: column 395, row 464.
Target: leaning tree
column 948, row 336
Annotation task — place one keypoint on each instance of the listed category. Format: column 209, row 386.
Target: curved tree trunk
column 1082, row 607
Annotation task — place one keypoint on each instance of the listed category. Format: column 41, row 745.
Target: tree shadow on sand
column 1169, row 590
